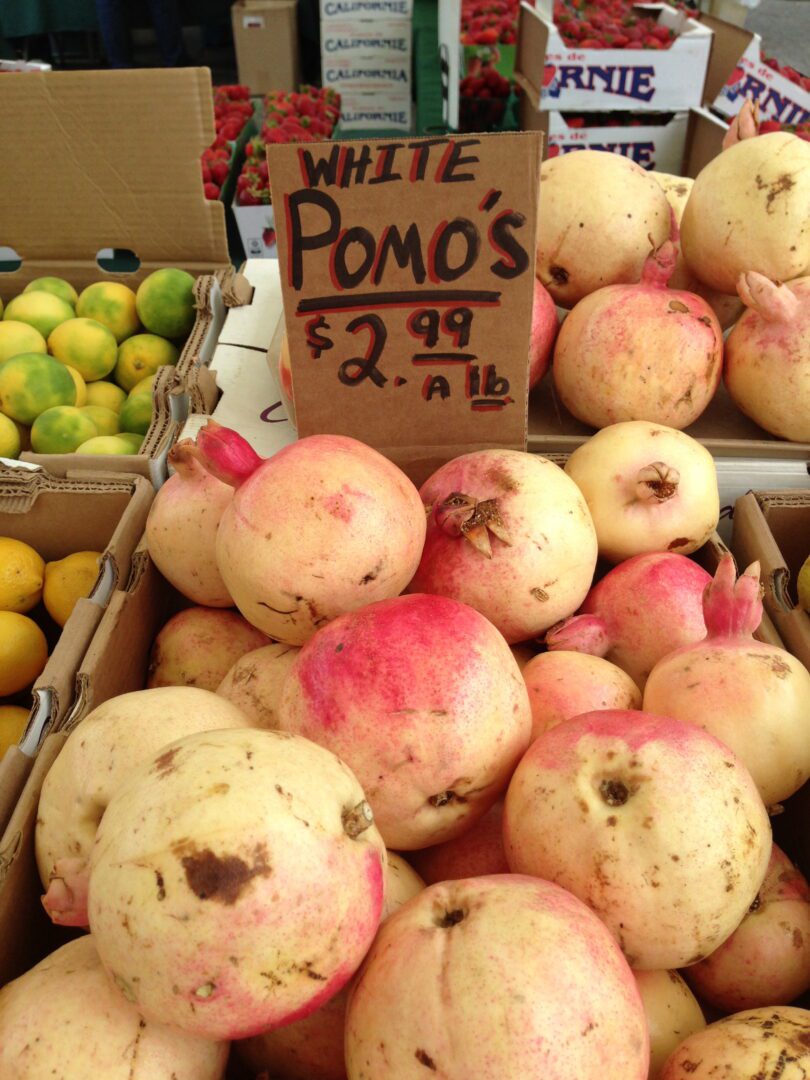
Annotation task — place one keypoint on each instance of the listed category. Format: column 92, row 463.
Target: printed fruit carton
column 654, row 141
column 782, row 93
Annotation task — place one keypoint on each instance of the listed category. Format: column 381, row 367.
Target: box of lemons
column 86, row 345
column 56, row 285
column 109, row 444
column 10, row 441
column 136, row 413
column 112, row 304
column 22, row 573
column 13, row 721
column 140, row 356
column 165, row 302
column 61, row 430
column 42, row 310
column 107, row 394
column 80, row 384
column 19, row 337
column 67, row 581
column 106, row 420
column 23, row 652
column 31, row 383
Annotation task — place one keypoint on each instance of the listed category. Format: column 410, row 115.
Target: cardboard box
column 134, row 185
column 379, row 40
column 388, row 80
column 265, row 36
column 773, row 527
column 257, row 230
column 652, row 145
column 57, row 517
column 364, row 111
column 354, row 10
column 737, row 71
column 563, row 78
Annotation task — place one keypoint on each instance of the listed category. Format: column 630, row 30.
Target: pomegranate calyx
column 225, row 454
column 659, row 266
column 745, row 124
column 657, row 481
column 464, row 515
column 184, row 459
column 732, row 608
column 66, row 898
column 581, row 633
column 771, row 301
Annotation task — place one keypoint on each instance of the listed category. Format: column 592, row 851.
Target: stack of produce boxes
column 366, row 57
column 611, row 75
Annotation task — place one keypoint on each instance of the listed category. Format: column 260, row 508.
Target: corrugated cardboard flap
column 109, row 159
column 728, row 44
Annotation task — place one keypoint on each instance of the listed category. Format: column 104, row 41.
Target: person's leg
column 168, row 31
column 114, row 32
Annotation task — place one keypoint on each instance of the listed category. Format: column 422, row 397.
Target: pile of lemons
column 76, row 369
column 27, row 581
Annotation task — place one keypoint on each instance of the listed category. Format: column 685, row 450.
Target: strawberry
column 219, row 172
column 211, row 191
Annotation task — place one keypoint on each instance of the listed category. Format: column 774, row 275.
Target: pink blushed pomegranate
column 642, row 609
column 545, row 325
column 255, row 681
column 181, row 530
column 612, row 798
column 752, row 696
column 477, row 852
column 565, row 684
column 768, row 356
column 312, row 1048
column 766, row 961
column 198, row 646
column 496, row 978
column 422, row 698
column 640, row 352
column 509, row 535
column 236, row 882
column 326, row 525
column 672, row 1014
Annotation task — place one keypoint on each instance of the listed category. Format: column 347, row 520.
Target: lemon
column 112, row 304
column 21, row 573
column 106, row 420
column 106, row 444
column 56, row 285
column 23, row 652
column 136, row 413
column 132, row 440
column 10, row 441
column 67, row 581
column 42, row 310
column 85, row 344
column 81, row 386
column 141, row 356
column 19, row 337
column 61, row 430
column 13, row 720
column 144, row 386
column 107, row 394
column 803, row 585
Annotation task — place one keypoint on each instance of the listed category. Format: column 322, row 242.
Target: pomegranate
column 544, row 330
column 312, row 1048
column 236, row 882
column 766, row 961
column 254, row 683
column 726, row 308
column 768, row 1043
column 599, row 213
column 384, row 686
column 752, row 696
column 450, row 987
column 653, row 823
column 62, row 1018
column 672, row 1013
column 198, row 646
column 768, row 356
column 477, row 852
column 96, row 760
column 641, row 610
column 509, row 534
column 748, row 211
column 565, row 684
column 648, row 487
column 640, row 352
column 181, row 530
column 326, row 525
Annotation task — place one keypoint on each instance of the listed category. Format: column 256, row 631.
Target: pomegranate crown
column 225, row 454
column 732, row 607
column 581, row 633
column 770, row 300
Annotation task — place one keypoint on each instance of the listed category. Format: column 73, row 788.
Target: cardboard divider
column 773, row 528
column 58, row 516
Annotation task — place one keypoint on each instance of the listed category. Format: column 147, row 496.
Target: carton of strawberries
column 232, row 111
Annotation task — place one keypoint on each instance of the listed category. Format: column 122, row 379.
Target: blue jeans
column 115, row 31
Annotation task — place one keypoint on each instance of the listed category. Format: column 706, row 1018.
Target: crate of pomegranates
column 612, row 55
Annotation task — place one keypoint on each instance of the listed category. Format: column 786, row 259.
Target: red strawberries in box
column 610, row 24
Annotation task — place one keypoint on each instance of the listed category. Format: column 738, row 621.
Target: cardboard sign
column 407, row 271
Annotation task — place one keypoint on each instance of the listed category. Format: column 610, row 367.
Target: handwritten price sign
column 407, row 270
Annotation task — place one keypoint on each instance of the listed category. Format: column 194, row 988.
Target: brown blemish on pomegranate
column 559, row 275
column 679, row 306
column 161, row 891
column 445, row 797
column 448, row 919
column 539, row 594
column 165, row 763
column 679, row 541
column 774, row 188
column 614, row 792
column 372, row 575
column 425, row 1059
column 222, row 878
column 691, row 1066
column 499, row 476
column 798, row 938
column 611, row 820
